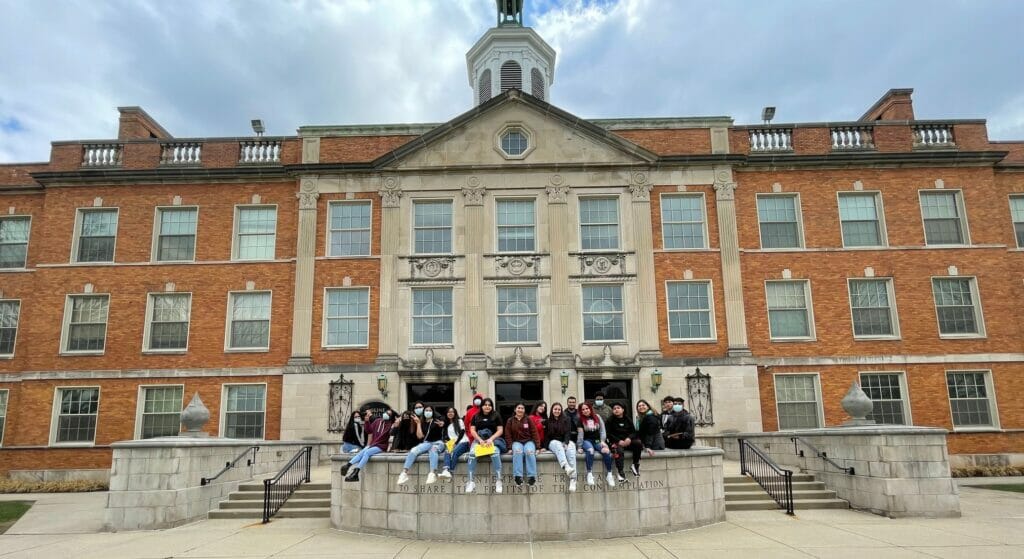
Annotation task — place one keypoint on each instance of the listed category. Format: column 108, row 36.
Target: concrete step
column 305, row 486
column 798, row 504
column 797, row 486
column 283, row 513
column 291, row 503
column 744, row 479
column 299, row 494
column 762, row 496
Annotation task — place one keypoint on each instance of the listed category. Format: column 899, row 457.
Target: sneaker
column 497, row 486
column 470, row 486
column 610, row 479
column 635, row 468
column 621, row 477
column 519, row 481
column 572, row 486
column 531, row 480
column 344, row 469
column 590, row 478
column 568, row 470
column 431, row 478
column 403, row 478
column 353, row 475
column 445, row 474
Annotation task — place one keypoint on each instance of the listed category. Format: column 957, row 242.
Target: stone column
column 390, row 232
column 559, row 233
column 643, row 238
column 732, row 278
column 305, row 251
column 476, row 341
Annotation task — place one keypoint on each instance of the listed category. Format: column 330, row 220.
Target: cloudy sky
column 206, row 67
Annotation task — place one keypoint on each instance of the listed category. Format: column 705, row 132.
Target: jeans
column 565, row 453
column 364, row 455
column 589, row 448
column 530, row 449
column 499, row 445
column 349, row 448
column 452, row 459
column 635, row 447
column 420, row 449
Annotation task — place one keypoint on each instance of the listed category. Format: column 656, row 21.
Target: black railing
column 277, row 489
column 776, row 481
column 233, row 463
column 797, row 441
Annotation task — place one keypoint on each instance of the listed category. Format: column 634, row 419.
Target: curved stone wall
column 677, row 489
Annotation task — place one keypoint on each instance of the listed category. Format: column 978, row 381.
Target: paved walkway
column 992, row 526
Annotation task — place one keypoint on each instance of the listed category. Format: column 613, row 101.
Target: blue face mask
column 677, row 408
column 598, row 403
column 357, row 420
column 385, row 416
column 418, row 411
column 428, row 414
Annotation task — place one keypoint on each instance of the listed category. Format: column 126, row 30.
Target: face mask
column 428, row 414
column 476, row 402
column 358, row 420
column 385, row 416
column 598, row 403
column 677, row 408
column 419, row 411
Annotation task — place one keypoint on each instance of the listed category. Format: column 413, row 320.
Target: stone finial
column 194, row 416
column 858, row 405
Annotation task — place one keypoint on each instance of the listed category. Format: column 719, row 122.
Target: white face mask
column 418, row 411
column 358, row 420
column 385, row 417
column 598, row 403
column 476, row 402
column 428, row 414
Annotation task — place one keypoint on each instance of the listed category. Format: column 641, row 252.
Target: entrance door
column 615, row 391
column 438, row 395
column 508, row 394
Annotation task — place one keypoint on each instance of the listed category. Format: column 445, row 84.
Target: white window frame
column 65, row 330
column 235, row 245
column 158, row 221
column 7, row 406
column 704, row 221
column 961, row 208
column 817, row 390
column 498, row 315
column 1013, row 224
column 893, row 312
column 413, row 316
column 904, row 391
column 799, row 220
column 227, row 326
column 711, row 312
column 224, row 407
column 990, row 389
column 451, row 228
column 979, row 315
column 149, row 322
column 618, row 221
column 14, row 348
column 55, row 416
column 808, row 301
column 497, row 227
column 141, row 404
column 77, row 234
column 28, row 241
column 883, row 234
column 327, row 238
column 325, row 317
column 584, row 312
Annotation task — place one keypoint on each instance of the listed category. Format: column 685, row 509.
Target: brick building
column 518, row 250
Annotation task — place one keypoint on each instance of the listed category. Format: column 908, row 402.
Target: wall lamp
column 655, row 380
column 473, row 382
column 564, row 378
column 382, row 384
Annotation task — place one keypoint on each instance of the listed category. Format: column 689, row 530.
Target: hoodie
column 620, row 428
column 468, row 419
column 378, row 434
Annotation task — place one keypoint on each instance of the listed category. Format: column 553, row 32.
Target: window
column 970, row 399
column 689, row 311
column 789, row 310
column 516, row 224
column 682, row 221
column 3, row 413
column 14, row 241
column 77, row 409
column 599, row 223
column 943, row 218
column 249, row 326
column 245, row 411
column 347, row 313
column 796, row 397
column 957, row 307
column 602, row 313
column 432, row 316
column 161, row 411
column 176, row 234
column 860, row 219
column 96, row 235
column 517, row 314
column 440, row 396
column 256, row 234
column 432, row 226
column 349, row 229
column 10, row 312
column 508, row 394
column 886, row 392
column 871, row 301
column 86, row 323
column 1016, row 214
column 514, row 142
column 167, row 321
column 779, row 220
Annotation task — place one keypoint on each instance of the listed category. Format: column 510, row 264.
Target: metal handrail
column 819, row 453
column 276, row 491
column 775, row 480
column 231, row 464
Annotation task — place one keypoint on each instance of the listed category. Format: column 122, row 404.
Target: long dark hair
column 494, row 410
column 544, row 415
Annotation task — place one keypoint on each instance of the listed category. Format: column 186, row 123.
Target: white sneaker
column 572, row 486
column 445, row 474
column 610, row 479
column 497, row 486
column 403, row 478
column 568, row 470
column 431, row 478
column 470, row 486
column 590, row 478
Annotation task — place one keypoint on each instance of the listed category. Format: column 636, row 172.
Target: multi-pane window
column 886, row 393
column 516, row 224
column 350, row 229
column 249, row 326
column 347, row 312
column 76, row 418
column 168, row 321
column 871, row 301
column 86, row 323
column 10, row 311
column 789, row 310
column 161, row 411
column 956, row 305
column 969, row 399
column 256, row 235
column 689, row 310
column 1016, row 214
column 517, row 314
column 245, row 411
column 432, row 316
column 3, row 413
column 796, row 397
column 176, row 234
column 943, row 218
column 432, row 226
column 599, row 223
column 682, row 221
column 514, row 142
column 779, row 220
column 602, row 313
column 860, row 218
column 14, row 241
column 96, row 235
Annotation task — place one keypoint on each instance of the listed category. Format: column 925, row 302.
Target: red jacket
column 538, row 425
column 468, row 420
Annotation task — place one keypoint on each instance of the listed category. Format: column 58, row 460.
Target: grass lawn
column 1015, row 487
column 11, row 511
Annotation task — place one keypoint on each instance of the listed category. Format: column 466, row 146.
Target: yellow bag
column 450, row 445
column 484, row 450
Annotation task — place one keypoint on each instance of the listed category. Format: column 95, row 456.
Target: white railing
column 181, row 153
column 764, row 140
column 933, row 136
column 257, row 152
column 102, row 155
column 852, row 138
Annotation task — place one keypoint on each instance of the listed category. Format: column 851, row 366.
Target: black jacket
column 650, row 432
column 354, row 434
column 679, row 434
column 559, row 430
column 619, row 428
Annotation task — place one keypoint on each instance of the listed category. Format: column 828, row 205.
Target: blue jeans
column 589, row 448
column 349, row 448
column 565, row 453
column 452, row 459
column 499, row 445
column 530, row 449
column 363, row 456
column 420, row 449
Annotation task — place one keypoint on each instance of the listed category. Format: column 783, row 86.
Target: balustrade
column 933, row 136
column 852, row 138
column 768, row 140
column 102, row 155
column 181, row 153
column 259, row 152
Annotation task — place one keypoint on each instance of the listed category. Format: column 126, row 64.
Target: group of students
column 590, row 429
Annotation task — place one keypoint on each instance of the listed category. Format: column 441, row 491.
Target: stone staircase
column 743, row 493
column 310, row 500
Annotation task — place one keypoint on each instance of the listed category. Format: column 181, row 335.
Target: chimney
column 894, row 105
column 136, row 124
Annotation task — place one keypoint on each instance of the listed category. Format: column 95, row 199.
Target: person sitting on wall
column 462, row 446
column 622, row 436
column 600, row 408
column 377, row 436
column 454, row 435
column 523, row 436
column 560, row 440
column 486, row 429
column 679, row 434
column 666, row 411
column 407, row 429
column 539, row 417
column 572, row 413
column 354, row 438
column 648, row 426
column 431, row 431
column 590, row 440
